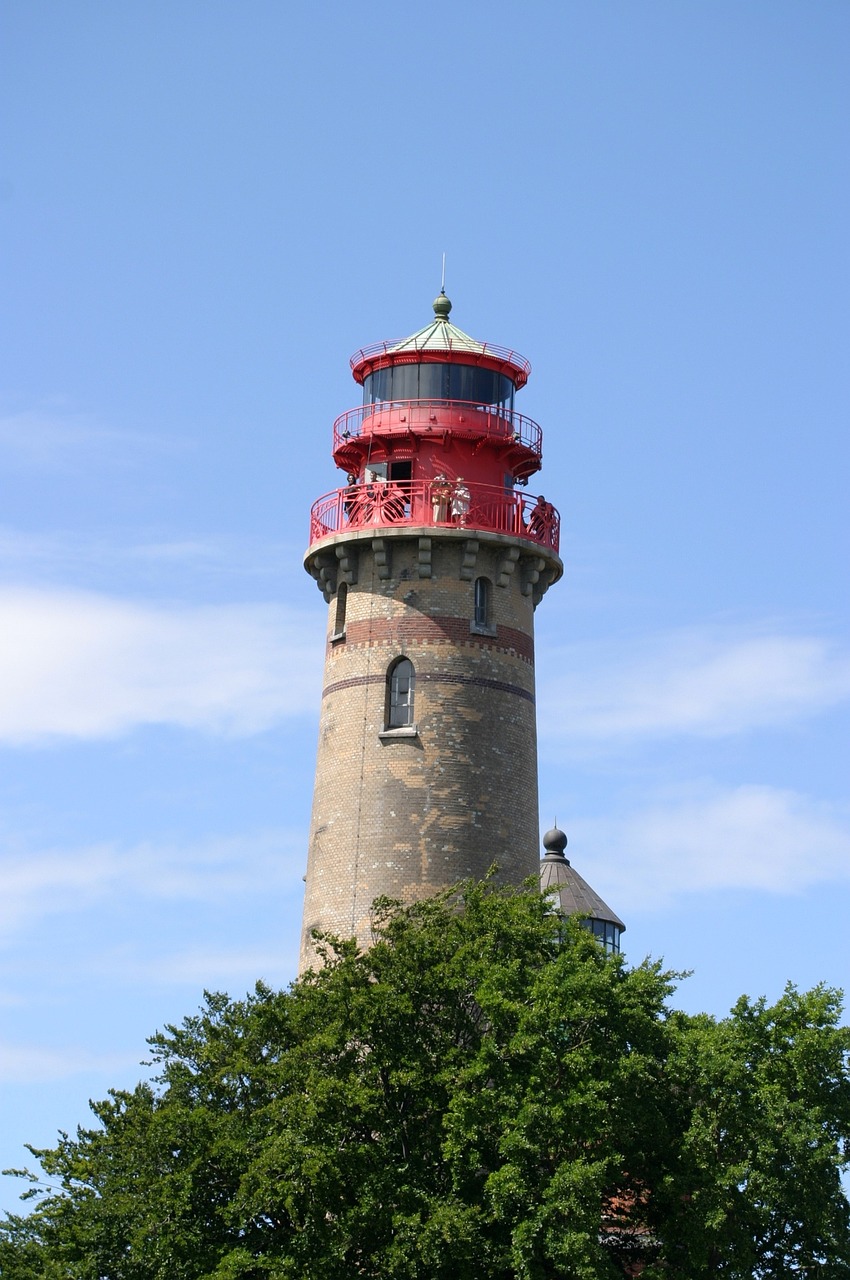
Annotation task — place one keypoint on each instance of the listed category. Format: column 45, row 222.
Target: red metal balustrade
column 488, row 354
column 439, row 505
column 421, row 416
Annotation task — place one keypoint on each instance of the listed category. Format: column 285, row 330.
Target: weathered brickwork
column 419, row 628
column 444, row 678
column 406, row 813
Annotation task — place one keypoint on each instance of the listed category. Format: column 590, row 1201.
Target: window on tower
column 339, row 616
column 481, row 602
column 482, row 608
column 401, row 681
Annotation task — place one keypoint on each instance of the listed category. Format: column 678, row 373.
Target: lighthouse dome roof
column 441, row 341
column 440, row 334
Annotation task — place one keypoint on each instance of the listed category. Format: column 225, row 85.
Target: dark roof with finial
column 574, row 893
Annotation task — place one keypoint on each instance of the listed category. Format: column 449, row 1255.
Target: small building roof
column 575, row 895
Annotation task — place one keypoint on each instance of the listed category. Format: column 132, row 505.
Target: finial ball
column 442, row 306
column 555, row 841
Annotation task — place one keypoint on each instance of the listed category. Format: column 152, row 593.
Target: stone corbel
column 468, row 559
column 381, row 552
column 540, row 588
column 323, row 568
column 507, row 566
column 530, row 571
column 424, row 557
column 346, row 554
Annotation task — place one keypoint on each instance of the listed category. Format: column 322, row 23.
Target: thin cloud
column 212, row 967
column 40, row 883
column 708, row 684
column 30, row 1064
column 216, row 555
column 748, row 838
column 70, row 556
column 82, row 665
column 55, row 437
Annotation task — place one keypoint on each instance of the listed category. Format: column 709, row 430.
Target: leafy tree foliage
column 485, row 1094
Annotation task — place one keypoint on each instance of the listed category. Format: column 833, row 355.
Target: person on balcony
column 441, row 493
column 370, row 498
column 351, row 499
column 540, row 520
column 460, row 501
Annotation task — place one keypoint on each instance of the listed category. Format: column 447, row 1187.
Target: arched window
column 401, row 679
column 481, row 602
column 341, row 603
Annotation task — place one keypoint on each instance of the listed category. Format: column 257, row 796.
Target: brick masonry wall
column 409, row 815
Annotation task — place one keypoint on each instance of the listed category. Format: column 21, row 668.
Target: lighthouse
column 432, row 557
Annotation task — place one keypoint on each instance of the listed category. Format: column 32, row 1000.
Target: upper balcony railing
column 400, row 353
column 489, row 422
column 439, row 504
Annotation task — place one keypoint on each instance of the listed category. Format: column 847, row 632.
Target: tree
column 764, row 1139
column 484, row 1093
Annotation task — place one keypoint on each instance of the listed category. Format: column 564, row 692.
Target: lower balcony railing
column 477, row 421
column 436, row 503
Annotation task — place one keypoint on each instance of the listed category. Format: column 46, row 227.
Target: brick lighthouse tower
column 432, row 559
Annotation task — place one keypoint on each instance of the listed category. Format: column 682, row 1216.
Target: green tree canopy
column 483, row 1094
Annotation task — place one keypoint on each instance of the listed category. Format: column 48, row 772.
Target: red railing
column 470, row 355
column 421, row 416
column 437, row 504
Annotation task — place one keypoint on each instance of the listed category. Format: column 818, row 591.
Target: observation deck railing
column 401, row 353
column 436, row 504
column 461, row 417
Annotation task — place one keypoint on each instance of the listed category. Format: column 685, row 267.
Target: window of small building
column 401, row 682
column 607, row 933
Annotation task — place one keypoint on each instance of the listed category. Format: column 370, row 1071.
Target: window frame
column 606, row 933
column 400, row 705
column 482, row 617
column 341, row 607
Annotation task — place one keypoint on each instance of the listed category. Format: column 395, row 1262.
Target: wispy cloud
column 211, row 967
column 88, row 561
column 82, row 665
column 30, row 1064
column 708, row 683
column 748, row 838
column 67, row 547
column 56, row 436
column 43, row 882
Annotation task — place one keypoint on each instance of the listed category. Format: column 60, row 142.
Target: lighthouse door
column 400, row 476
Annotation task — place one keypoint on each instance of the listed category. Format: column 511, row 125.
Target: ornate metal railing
column 437, row 504
column 421, row 416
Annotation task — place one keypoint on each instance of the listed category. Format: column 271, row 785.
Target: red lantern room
column 437, row 440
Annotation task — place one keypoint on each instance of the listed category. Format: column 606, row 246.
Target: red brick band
column 481, row 682
column 424, row 629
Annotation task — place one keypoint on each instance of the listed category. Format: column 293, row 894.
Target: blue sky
column 205, row 209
